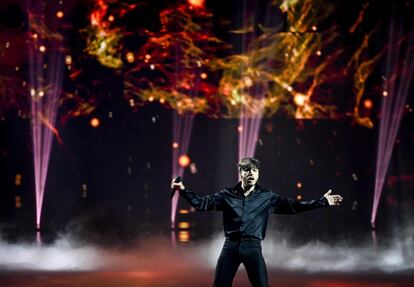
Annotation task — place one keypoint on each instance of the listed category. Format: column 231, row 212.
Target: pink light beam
column 44, row 93
column 392, row 111
column 182, row 127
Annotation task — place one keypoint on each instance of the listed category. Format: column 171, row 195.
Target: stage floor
column 164, row 261
column 163, row 278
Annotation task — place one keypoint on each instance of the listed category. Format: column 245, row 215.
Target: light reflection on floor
column 158, row 262
column 193, row 278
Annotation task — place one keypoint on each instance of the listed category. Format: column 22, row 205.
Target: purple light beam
column 248, row 133
column 391, row 111
column 45, row 88
column 182, row 127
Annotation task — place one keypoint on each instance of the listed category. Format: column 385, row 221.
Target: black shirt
column 247, row 216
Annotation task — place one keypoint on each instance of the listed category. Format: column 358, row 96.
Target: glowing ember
column 300, row 99
column 68, row 60
column 130, row 57
column 59, row 14
column 368, row 104
column 184, row 160
column 95, row 122
column 196, row 3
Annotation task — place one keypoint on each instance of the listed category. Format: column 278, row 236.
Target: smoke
column 62, row 255
column 158, row 255
column 317, row 256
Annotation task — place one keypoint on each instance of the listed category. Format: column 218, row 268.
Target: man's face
column 249, row 176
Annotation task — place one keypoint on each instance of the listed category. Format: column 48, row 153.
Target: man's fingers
column 334, row 199
column 338, row 198
column 329, row 192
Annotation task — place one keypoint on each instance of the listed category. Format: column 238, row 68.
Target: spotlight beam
column 182, row 127
column 391, row 113
column 45, row 76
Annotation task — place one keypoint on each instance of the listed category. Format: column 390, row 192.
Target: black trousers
column 246, row 251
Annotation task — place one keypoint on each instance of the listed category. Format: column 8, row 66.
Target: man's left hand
column 333, row 199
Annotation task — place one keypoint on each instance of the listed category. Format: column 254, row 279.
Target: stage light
column 319, row 53
column 314, row 28
column 385, row 93
column 84, row 191
column 184, row 160
column 240, row 129
column 18, row 179
column 95, row 122
column 299, row 197
column 368, row 104
column 183, row 225
column 392, row 107
column 183, row 211
column 130, row 57
column 111, row 18
column 203, row 76
column 44, row 111
column 299, row 185
column 17, row 202
column 175, row 145
column 152, row 67
column 184, row 236
column 151, row 99
column 59, row 14
column 162, row 100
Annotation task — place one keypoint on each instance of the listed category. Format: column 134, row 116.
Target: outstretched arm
column 289, row 205
column 201, row 203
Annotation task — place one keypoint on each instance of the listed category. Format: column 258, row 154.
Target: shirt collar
column 240, row 191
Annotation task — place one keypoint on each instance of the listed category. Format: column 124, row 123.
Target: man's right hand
column 177, row 185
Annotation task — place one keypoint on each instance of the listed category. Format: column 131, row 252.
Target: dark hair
column 249, row 163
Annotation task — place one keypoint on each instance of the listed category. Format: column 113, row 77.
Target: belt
column 242, row 238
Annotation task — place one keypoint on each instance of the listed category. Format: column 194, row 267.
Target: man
column 246, row 208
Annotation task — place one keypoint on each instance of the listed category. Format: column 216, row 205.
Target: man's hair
column 249, row 163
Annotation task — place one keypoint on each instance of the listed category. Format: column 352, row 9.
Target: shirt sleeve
column 286, row 205
column 213, row 201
